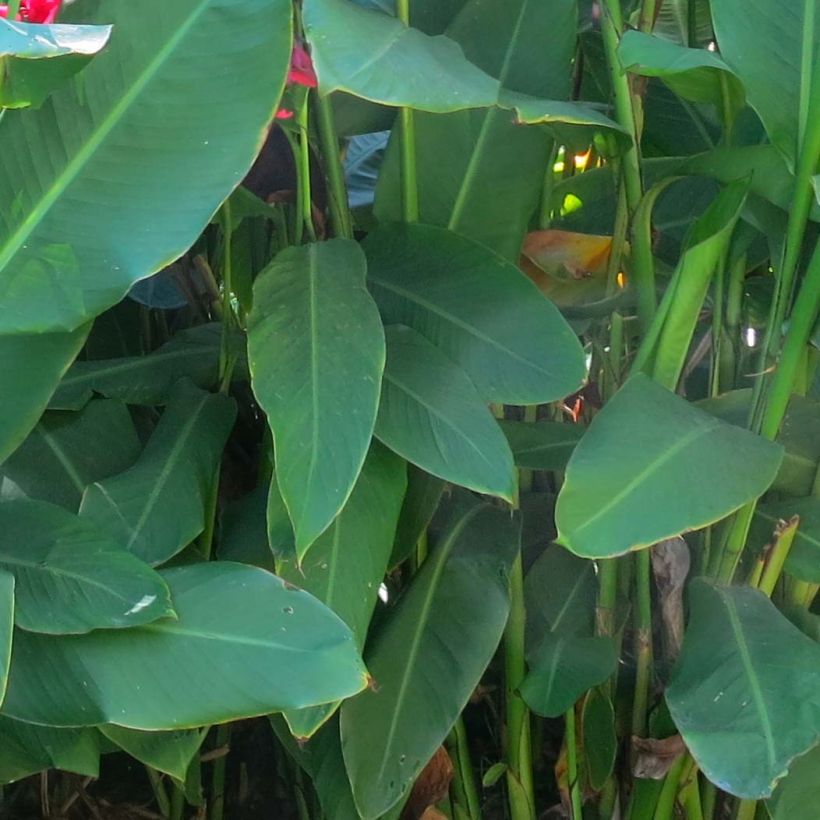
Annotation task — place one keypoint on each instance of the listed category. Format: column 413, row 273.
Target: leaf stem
column 339, row 213
column 784, row 538
column 223, row 739
column 163, row 804
column 463, row 775
column 407, row 143
column 572, row 765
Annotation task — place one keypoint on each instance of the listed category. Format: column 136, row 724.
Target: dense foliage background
column 409, row 410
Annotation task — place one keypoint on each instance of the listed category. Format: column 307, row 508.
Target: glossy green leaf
column 168, row 752
column 70, row 578
column 126, row 103
column 797, row 796
column 36, row 58
column 600, row 739
column 30, row 370
column 803, row 560
column 478, row 309
column 68, row 451
column 6, row 626
column 652, row 466
column 243, row 531
column 26, row 749
column 346, row 565
column 476, row 169
column 745, row 693
column 432, row 415
column 158, row 507
column 695, row 74
column 428, row 657
column 421, row 501
column 244, row 644
column 192, row 353
column 543, row 445
column 777, row 87
column 375, row 56
column 316, row 350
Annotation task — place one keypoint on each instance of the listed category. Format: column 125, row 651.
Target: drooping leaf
column 778, row 87
column 168, row 752
column 803, row 560
column 476, row 168
column 600, row 740
column 375, row 56
column 478, row 309
column 26, row 749
column 797, row 796
column 36, row 58
column 695, row 74
column 745, row 693
column 244, row 644
column 158, row 507
column 30, row 369
column 68, row 451
column 70, row 578
column 192, row 353
column 543, row 445
column 421, row 500
column 346, row 565
column 431, row 414
column 428, row 658
column 6, row 627
column 652, row 466
column 65, row 253
column 316, row 349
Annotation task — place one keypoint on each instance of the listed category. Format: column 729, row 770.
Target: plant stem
column 800, row 593
column 163, row 804
column 572, row 765
column 223, row 738
column 665, row 809
column 746, row 810
column 463, row 775
column 339, row 213
column 784, row 538
column 643, row 641
column 518, row 752
column 177, row 803
column 305, row 197
column 407, row 143
column 708, row 799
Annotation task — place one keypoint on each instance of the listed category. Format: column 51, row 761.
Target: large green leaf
column 69, row 577
column 36, row 58
column 652, row 466
column 348, row 561
column 429, row 657
column 544, row 445
column 186, row 86
column 798, row 794
column 421, row 500
column 316, row 349
column 30, row 369
column 745, row 693
column 26, row 749
column 695, row 74
column 6, row 626
column 245, row 644
column 477, row 308
column 168, row 752
column 779, row 87
column 432, row 415
column 68, row 451
column 803, row 560
column 192, row 354
column 158, row 507
column 375, row 56
column 478, row 172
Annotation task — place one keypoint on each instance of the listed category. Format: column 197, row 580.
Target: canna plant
column 433, row 382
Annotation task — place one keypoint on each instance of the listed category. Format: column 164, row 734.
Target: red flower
column 301, row 73
column 35, row 11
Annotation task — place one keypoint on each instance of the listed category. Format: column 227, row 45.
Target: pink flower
column 35, row 11
column 301, row 73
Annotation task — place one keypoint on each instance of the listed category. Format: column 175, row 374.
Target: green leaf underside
column 316, row 350
column 168, row 752
column 478, row 309
column 745, row 694
column 428, row 657
column 70, row 578
column 652, row 466
column 543, row 445
column 60, row 219
column 158, row 507
column 421, row 501
column 238, row 628
column 600, row 739
column 431, row 414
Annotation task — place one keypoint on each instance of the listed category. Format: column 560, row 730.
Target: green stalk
column 407, row 143
column 690, row 799
column 572, row 765
column 305, row 198
column 800, row 593
column 518, row 753
column 339, row 213
column 648, row 15
column 718, row 335
column 746, row 810
column 665, row 808
column 733, row 314
column 223, row 738
column 708, row 799
column 177, row 803
column 643, row 641
column 801, row 325
column 463, row 775
column 13, row 9
column 784, row 538
column 163, row 804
